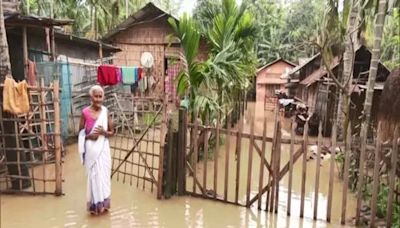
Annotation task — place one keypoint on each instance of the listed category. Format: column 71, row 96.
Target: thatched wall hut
column 147, row 30
column 389, row 110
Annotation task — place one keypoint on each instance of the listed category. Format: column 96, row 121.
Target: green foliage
column 391, row 41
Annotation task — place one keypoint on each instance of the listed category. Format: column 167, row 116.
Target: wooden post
column 250, row 162
column 238, row 156
column 181, row 152
column 289, row 200
column 101, row 52
column 331, row 172
column 227, row 147
column 216, row 157
column 162, row 145
column 392, row 178
column 304, row 170
column 361, row 170
column 262, row 156
column 57, row 137
column 25, row 50
column 168, row 187
column 375, row 179
column 277, row 164
column 347, row 152
column 195, row 133
column 316, row 191
column 53, row 45
column 205, row 156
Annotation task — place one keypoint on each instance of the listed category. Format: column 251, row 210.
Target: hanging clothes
column 107, row 75
column 128, row 75
column 15, row 96
column 140, row 73
column 32, row 76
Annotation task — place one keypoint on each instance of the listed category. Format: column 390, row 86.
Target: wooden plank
column 277, row 165
column 361, row 170
column 331, row 173
column 227, row 147
column 57, row 138
column 250, row 161
column 262, row 156
column 25, row 51
column 195, row 149
column 162, row 144
column 392, row 178
column 290, row 181
column 317, row 171
column 238, row 158
column 181, row 152
column 216, row 152
column 346, row 174
column 304, row 170
column 266, row 163
column 205, row 158
column 375, row 179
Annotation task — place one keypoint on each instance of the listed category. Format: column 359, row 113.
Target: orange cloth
column 15, row 96
column 31, row 73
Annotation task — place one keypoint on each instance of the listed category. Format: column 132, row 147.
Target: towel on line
column 15, row 96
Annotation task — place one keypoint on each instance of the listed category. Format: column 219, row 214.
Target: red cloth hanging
column 107, row 75
column 140, row 71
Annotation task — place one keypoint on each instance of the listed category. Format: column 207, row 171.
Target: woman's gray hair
column 94, row 88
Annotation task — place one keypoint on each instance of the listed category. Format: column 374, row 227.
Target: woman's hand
column 92, row 136
column 99, row 130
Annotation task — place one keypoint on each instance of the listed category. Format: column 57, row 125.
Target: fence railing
column 261, row 161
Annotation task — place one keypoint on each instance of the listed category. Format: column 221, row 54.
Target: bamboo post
column 262, row 156
column 205, row 157
column 317, row 171
column 57, row 137
column 361, row 170
column 270, row 194
column 181, row 152
column 250, row 162
column 25, row 50
column 167, row 191
column 195, row 151
column 375, row 187
column 238, row 157
column 162, row 144
column 304, row 170
column 227, row 147
column 277, row 164
column 346, row 174
column 101, row 52
column 392, row 176
column 331, row 173
column 289, row 200
column 216, row 157
column 53, row 45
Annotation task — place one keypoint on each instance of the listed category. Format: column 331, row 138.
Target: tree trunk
column 376, row 52
column 5, row 66
column 343, row 112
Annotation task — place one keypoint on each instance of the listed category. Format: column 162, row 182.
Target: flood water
column 134, row 207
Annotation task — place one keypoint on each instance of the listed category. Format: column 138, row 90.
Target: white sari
column 96, row 157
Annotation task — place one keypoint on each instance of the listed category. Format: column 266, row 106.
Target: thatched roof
column 148, row 13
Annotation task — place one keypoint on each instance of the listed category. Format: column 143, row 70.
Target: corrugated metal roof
column 275, row 61
column 271, row 81
column 84, row 41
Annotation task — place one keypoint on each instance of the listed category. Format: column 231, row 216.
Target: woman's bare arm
column 82, row 123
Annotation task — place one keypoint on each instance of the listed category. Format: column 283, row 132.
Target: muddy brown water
column 134, row 207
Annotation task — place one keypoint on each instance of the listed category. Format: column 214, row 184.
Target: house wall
column 273, row 73
column 149, row 37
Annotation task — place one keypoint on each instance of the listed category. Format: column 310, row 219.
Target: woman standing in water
column 95, row 128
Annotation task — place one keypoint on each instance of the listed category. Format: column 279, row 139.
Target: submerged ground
column 132, row 207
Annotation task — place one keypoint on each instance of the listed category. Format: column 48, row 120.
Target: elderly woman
column 94, row 148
